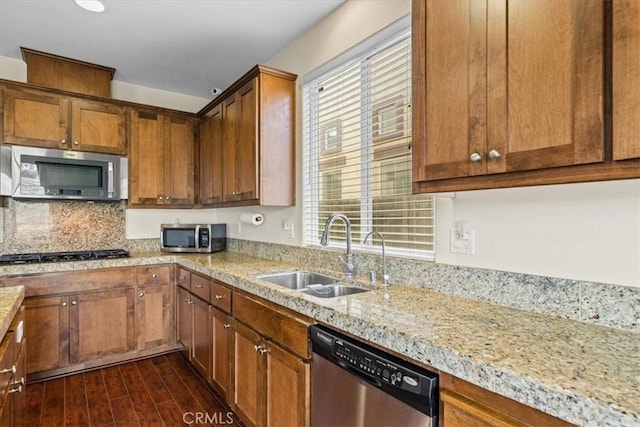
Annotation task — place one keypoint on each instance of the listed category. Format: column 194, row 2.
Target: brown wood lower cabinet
column 12, row 374
column 194, row 327
column 464, row 404
column 83, row 319
column 221, row 352
column 271, row 364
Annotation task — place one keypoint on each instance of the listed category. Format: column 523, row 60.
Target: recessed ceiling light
column 90, row 5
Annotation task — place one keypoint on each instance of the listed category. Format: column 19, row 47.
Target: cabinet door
column 221, row 345
column 459, row 411
column 146, row 158
column 179, row 172
column 201, row 354
column 626, row 79
column 545, row 90
column 19, row 397
column 153, row 316
column 449, row 108
column 249, row 376
column 247, row 142
column 230, row 130
column 47, row 333
column 288, row 382
column 497, row 90
column 211, row 163
column 35, row 119
column 98, row 127
column 101, row 323
column 184, row 319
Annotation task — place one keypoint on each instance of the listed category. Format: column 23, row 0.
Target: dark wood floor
column 161, row 391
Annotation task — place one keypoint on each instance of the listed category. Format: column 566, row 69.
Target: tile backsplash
column 53, row 226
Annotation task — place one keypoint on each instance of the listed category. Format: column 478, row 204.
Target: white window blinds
column 357, row 151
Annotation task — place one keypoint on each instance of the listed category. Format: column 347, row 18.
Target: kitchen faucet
column 350, row 267
column 385, row 276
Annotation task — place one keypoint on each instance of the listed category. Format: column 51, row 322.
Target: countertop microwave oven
column 204, row 238
column 44, row 173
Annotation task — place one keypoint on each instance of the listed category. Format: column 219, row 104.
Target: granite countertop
column 582, row 373
column 11, row 299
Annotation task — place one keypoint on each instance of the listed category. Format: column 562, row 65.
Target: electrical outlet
column 462, row 242
column 287, row 226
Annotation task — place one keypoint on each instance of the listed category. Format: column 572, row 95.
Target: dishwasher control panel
column 377, row 366
column 414, row 385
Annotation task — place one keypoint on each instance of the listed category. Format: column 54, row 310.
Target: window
column 357, row 157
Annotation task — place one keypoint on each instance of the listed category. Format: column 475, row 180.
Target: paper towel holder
column 253, row 218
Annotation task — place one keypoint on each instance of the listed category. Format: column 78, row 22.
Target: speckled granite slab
column 598, row 303
column 10, row 301
column 584, row 373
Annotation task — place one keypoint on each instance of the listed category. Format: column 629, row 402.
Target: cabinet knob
column 257, row 347
column 168, row 197
column 64, row 141
column 475, row 157
column 76, row 143
column 226, row 325
column 219, row 296
column 11, row 370
column 263, row 350
column 74, row 302
column 64, row 304
column 160, row 198
column 154, row 275
column 141, row 294
column 198, row 286
column 494, row 154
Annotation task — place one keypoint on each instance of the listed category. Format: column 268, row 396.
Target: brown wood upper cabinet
column 626, row 79
column 161, row 160
column 509, row 93
column 247, row 142
column 45, row 119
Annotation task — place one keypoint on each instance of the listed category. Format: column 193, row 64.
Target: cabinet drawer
column 183, row 278
column 284, row 328
column 6, row 361
column 200, row 286
column 155, row 275
column 221, row 296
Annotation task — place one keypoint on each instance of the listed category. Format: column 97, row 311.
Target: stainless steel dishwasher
column 356, row 385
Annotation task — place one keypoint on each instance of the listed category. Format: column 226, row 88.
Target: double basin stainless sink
column 310, row 283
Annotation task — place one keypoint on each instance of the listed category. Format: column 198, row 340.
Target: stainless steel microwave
column 204, row 238
column 43, row 173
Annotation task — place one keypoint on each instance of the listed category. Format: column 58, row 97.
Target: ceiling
column 185, row 46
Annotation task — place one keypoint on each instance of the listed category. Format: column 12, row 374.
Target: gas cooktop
column 62, row 256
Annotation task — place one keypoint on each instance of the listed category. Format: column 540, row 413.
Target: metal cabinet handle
column 11, row 370
column 74, row 302
column 226, row 325
column 494, row 154
column 198, row 286
column 64, row 304
column 263, row 350
column 219, row 296
column 257, row 347
column 475, row 157
column 16, row 387
column 141, row 294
